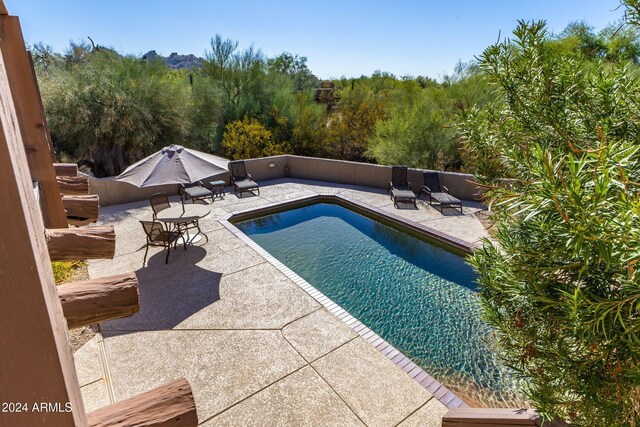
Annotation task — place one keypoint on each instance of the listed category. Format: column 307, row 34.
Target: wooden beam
column 68, row 244
column 37, row 364
column 65, row 169
column 32, row 120
column 479, row 417
column 82, row 208
column 171, row 404
column 73, row 185
column 92, row 301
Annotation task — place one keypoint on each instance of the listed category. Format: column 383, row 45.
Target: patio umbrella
column 173, row 165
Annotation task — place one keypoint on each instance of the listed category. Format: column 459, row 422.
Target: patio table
column 217, row 187
column 184, row 214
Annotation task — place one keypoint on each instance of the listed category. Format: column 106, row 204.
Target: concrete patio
column 255, row 347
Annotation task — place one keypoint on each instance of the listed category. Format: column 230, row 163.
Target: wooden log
column 82, row 208
column 65, row 169
column 73, row 185
column 478, row 417
column 171, row 404
column 92, row 301
column 68, row 244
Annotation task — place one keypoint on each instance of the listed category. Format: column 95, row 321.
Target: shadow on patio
column 170, row 293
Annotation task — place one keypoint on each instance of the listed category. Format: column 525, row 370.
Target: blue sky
column 339, row 38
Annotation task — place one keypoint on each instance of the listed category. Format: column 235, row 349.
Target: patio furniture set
column 179, row 219
column 178, row 165
column 171, row 224
column 400, row 189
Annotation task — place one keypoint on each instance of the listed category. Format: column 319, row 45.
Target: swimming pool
column 415, row 294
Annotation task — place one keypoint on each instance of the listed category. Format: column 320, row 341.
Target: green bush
column 417, row 132
column 114, row 110
column 562, row 289
column 248, row 139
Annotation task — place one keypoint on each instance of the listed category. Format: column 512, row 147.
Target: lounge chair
column 400, row 187
column 435, row 191
column 158, row 236
column 195, row 191
column 159, row 202
column 241, row 180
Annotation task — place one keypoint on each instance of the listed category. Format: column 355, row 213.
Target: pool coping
column 433, row 386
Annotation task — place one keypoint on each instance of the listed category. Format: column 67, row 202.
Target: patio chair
column 195, row 191
column 158, row 236
column 159, row 202
column 435, row 191
column 400, row 187
column 241, row 180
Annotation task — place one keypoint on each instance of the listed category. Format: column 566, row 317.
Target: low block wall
column 113, row 192
column 267, row 168
column 370, row 175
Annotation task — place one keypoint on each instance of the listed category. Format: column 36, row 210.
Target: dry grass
column 69, row 271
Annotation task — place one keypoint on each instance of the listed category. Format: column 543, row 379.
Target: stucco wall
column 113, row 192
column 370, row 175
column 268, row 168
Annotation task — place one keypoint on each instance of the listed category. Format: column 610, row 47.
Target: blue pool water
column 417, row 296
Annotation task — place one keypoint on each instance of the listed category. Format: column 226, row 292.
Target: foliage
column 415, row 133
column 238, row 74
column 114, row 110
column 247, row 138
column 309, row 133
column 294, row 66
column 108, row 111
column 351, row 126
column 616, row 42
column 63, row 271
column 418, row 130
column 562, row 290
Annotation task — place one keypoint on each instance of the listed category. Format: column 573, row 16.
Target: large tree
column 113, row 110
column 561, row 288
column 238, row 74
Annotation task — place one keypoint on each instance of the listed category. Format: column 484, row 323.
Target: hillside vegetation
column 108, row 110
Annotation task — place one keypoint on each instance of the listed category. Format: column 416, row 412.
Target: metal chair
column 438, row 192
column 400, row 187
column 158, row 236
column 159, row 202
column 195, row 191
column 241, row 180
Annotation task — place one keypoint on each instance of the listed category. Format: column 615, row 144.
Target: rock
column 175, row 61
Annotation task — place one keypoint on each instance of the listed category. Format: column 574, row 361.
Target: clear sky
column 339, row 38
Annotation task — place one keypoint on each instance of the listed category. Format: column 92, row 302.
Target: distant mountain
column 175, row 61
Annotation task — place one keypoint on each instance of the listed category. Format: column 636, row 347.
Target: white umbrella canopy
column 173, row 165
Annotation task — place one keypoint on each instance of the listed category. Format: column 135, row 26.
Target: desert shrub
column 561, row 289
column 247, row 138
column 114, row 110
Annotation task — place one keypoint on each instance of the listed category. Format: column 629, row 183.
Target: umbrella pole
column 182, row 199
